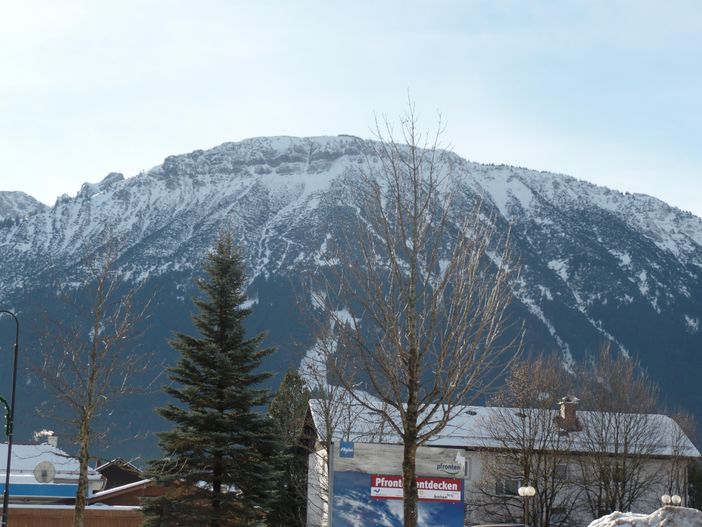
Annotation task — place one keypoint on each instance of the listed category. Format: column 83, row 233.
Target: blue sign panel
column 39, row 490
column 346, row 449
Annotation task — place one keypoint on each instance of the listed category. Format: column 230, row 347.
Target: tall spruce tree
column 288, row 410
column 218, row 464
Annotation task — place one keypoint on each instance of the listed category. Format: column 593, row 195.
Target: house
column 125, row 485
column 118, row 472
column 44, row 482
column 471, row 472
column 44, row 474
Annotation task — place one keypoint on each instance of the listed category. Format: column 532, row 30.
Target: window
column 558, row 515
column 507, row 487
column 560, row 471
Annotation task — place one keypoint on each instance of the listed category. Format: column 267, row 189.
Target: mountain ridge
column 16, row 205
column 292, row 170
column 597, row 264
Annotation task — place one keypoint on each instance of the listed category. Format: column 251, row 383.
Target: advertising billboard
column 363, row 500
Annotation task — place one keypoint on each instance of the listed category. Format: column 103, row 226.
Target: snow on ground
column 663, row 517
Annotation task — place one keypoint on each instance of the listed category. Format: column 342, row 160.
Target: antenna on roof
column 45, row 472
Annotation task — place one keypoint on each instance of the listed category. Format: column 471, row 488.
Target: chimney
column 46, row 436
column 567, row 420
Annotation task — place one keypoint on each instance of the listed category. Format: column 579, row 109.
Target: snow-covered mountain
column 597, row 264
column 17, row 205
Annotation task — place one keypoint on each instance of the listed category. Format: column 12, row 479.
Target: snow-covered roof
column 116, row 491
column 119, row 462
column 25, row 459
column 474, row 427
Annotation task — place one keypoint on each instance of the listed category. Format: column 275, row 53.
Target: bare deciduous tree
column 87, row 359
column 424, row 295
column 619, row 436
column 677, row 476
column 534, row 449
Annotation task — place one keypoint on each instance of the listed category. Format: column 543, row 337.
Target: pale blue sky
column 606, row 91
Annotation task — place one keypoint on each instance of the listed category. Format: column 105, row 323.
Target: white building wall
column 373, row 458
column 317, row 489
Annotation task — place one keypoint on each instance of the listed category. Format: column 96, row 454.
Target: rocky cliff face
column 597, row 264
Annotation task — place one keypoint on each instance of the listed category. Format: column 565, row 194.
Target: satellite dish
column 44, row 472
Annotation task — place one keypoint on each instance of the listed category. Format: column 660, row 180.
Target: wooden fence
column 63, row 517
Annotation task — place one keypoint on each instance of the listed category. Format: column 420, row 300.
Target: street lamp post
column 526, row 493
column 10, row 423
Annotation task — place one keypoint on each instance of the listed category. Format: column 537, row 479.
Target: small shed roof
column 123, row 489
column 121, row 463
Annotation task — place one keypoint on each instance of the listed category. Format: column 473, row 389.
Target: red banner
column 429, row 488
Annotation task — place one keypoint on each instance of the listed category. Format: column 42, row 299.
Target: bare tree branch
column 87, row 361
column 420, row 305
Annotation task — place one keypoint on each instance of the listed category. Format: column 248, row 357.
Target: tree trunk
column 216, row 491
column 409, row 458
column 409, row 484
column 83, row 457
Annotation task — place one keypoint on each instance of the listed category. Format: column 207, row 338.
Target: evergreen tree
column 288, row 410
column 218, row 465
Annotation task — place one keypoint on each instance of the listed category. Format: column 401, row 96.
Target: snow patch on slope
column 521, row 293
column 560, row 267
column 692, row 324
column 623, row 257
column 507, row 191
